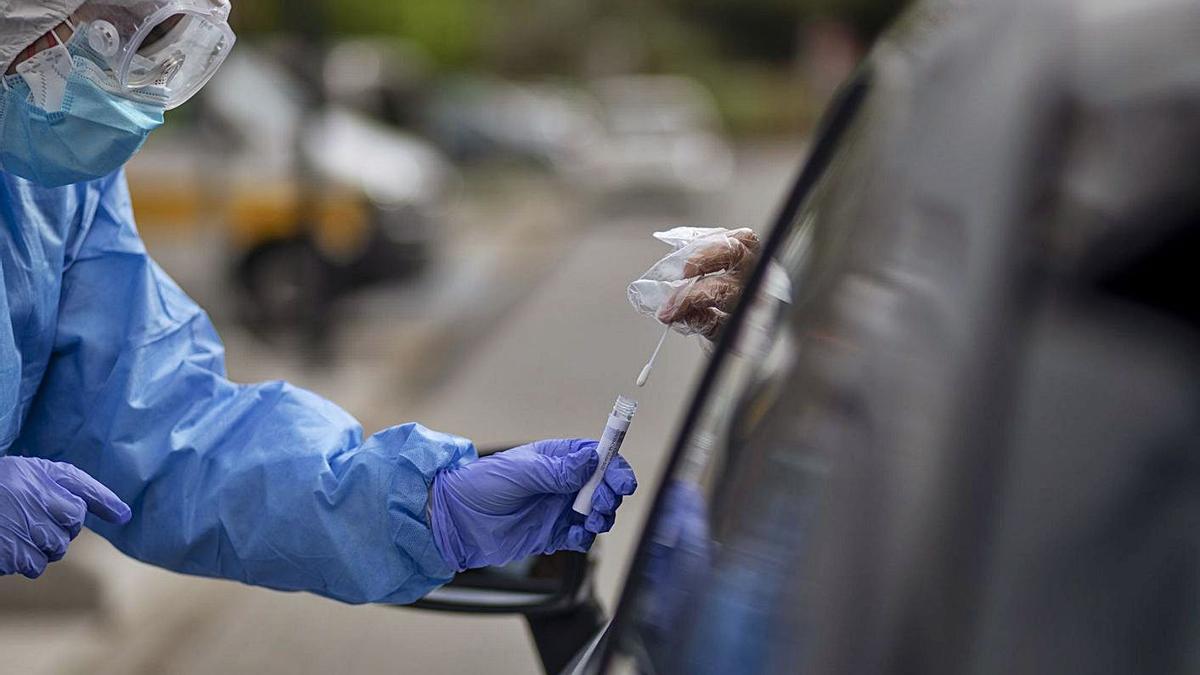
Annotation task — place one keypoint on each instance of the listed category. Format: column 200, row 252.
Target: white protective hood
column 24, row 21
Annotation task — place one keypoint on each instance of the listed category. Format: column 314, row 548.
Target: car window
column 708, row 589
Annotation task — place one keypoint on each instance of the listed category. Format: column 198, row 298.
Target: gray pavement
column 557, row 343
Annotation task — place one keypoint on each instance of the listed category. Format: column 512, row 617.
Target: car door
column 961, row 436
column 732, row 515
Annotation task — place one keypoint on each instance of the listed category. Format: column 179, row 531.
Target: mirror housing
column 549, row 584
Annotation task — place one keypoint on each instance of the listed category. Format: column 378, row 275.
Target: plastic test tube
column 610, row 444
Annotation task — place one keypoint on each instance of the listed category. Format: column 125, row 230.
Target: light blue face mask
column 92, row 134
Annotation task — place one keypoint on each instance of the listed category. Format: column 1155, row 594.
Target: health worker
column 115, row 411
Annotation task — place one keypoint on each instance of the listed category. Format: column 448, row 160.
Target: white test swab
column 645, row 374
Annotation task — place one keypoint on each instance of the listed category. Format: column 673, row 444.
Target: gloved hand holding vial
column 517, row 503
column 610, row 445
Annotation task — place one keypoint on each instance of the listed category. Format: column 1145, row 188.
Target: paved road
column 551, row 369
column 549, row 365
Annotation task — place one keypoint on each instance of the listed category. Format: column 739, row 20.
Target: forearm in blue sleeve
column 266, row 484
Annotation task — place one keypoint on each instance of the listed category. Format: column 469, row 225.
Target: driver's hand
column 719, row 272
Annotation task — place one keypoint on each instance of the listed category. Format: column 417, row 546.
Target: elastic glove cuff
column 445, row 533
column 410, row 501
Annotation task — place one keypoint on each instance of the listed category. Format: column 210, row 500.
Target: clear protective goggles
column 170, row 47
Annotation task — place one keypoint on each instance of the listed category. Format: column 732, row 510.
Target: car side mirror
column 547, row 584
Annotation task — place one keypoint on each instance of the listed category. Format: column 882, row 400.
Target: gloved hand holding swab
column 607, row 449
column 695, row 287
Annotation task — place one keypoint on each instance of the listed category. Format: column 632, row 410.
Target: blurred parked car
column 387, row 79
column 659, row 133
column 312, row 201
column 477, row 119
column 966, row 441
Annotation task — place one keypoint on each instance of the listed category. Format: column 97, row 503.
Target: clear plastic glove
column 517, row 503
column 42, row 507
column 695, row 288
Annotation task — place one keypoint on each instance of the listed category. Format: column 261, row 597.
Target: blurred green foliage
column 468, row 32
column 449, row 30
column 745, row 50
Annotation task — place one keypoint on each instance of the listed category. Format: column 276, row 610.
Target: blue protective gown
column 106, row 364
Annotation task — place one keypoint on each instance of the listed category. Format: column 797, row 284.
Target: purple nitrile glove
column 517, row 503
column 42, row 507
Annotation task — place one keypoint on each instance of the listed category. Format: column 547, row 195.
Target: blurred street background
column 429, row 210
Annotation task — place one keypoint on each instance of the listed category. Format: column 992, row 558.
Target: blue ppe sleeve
column 266, row 484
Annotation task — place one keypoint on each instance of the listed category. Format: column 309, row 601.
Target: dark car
column 955, row 425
